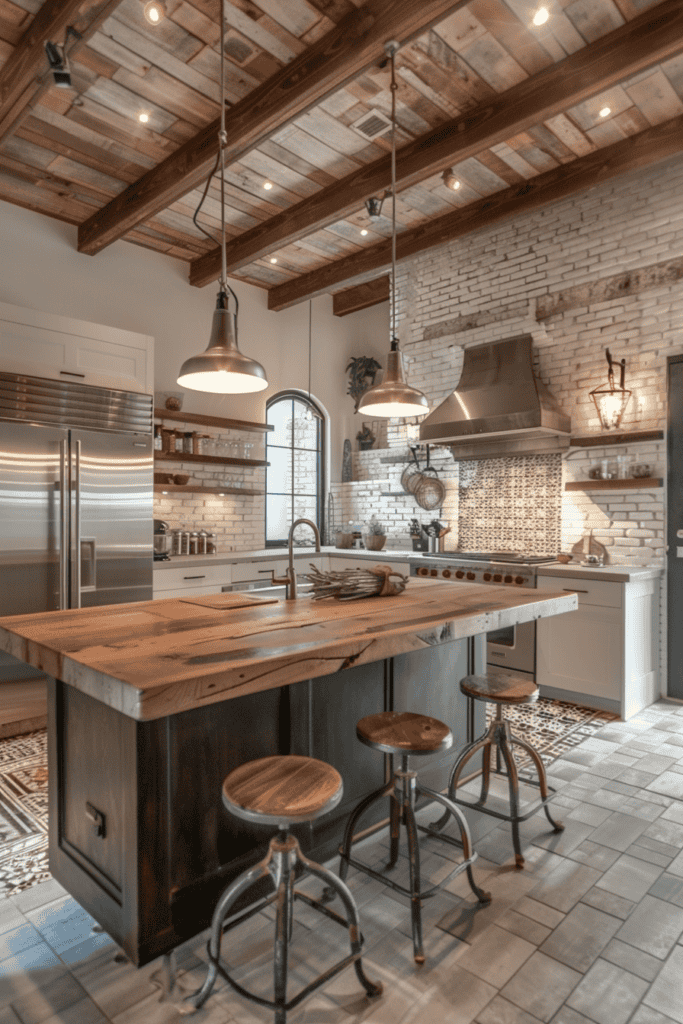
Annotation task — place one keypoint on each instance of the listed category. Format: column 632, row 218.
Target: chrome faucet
column 290, row 579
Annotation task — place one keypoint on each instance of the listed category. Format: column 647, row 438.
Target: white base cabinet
column 605, row 654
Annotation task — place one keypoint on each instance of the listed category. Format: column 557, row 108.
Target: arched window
column 294, row 478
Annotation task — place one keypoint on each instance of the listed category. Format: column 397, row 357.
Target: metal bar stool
column 409, row 735
column 501, row 689
column 281, row 791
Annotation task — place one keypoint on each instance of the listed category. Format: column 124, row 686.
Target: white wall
column 138, row 290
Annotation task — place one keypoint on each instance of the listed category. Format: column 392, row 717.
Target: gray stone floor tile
column 676, row 865
column 642, row 808
column 629, row 877
column 607, row 901
column 654, row 926
column 656, row 763
column 565, row 885
column 619, row 831
column 56, row 997
column 669, row 784
column 651, row 856
column 635, row 777
column 655, row 844
column 39, row 895
column 565, row 1015
column 594, row 855
column 496, row 956
column 617, row 786
column 589, row 814
column 666, row 994
column 632, row 959
column 523, row 926
column 670, row 888
column 646, row 1015
column 500, row 1011
column 541, row 986
column 458, row 999
column 608, row 993
column 581, row 937
column 673, row 813
column 665, row 831
column 562, row 843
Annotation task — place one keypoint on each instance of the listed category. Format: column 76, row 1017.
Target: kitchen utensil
column 410, row 477
column 430, row 491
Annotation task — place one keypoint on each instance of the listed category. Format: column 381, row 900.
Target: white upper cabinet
column 59, row 348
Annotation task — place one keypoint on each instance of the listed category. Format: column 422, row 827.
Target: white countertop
column 268, row 554
column 607, row 573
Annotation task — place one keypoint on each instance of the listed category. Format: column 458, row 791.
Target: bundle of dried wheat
column 352, row 584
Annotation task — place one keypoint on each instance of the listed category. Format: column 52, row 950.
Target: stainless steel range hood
column 499, row 406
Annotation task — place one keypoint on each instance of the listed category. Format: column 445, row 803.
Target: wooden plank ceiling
column 513, row 109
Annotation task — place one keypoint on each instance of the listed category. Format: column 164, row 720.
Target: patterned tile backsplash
column 511, row 504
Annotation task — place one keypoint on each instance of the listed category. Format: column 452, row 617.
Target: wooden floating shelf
column 211, row 421
column 395, row 494
column 602, row 440
column 635, row 484
column 214, row 460
column 191, row 489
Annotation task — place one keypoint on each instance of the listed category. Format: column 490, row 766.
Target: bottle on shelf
column 188, row 442
column 158, row 441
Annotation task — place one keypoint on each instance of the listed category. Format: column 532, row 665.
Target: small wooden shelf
column 192, row 489
column 395, row 494
column 214, row 460
column 602, row 440
column 634, row 484
column 211, row 421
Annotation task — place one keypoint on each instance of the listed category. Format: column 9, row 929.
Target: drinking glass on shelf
column 248, row 445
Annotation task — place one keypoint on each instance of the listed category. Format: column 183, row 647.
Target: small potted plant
column 374, row 537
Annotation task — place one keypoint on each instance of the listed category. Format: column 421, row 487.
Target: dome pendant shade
column 222, row 369
column 393, row 397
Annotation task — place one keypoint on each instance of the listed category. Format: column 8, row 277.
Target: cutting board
column 221, row 601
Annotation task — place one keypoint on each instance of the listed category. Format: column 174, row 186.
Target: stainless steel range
column 513, row 648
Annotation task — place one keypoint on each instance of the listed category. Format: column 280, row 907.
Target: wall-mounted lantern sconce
column 611, row 401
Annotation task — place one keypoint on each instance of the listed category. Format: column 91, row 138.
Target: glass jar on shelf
column 157, row 438
column 202, row 541
column 179, row 441
column 211, row 544
column 188, row 442
column 194, row 543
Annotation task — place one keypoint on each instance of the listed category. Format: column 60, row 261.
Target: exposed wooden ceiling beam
column 648, row 147
column 352, row 46
column 642, row 42
column 361, row 296
column 21, row 93
column 28, row 61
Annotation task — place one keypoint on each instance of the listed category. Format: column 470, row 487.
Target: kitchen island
column 152, row 704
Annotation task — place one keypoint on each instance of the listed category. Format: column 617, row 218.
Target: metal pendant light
column 393, row 397
column 611, row 401
column 222, row 368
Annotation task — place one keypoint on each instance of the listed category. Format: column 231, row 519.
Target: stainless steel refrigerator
column 76, row 472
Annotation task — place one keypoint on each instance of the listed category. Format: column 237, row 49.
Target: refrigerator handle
column 77, row 527
column 63, row 528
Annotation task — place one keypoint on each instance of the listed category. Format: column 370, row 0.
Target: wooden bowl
column 181, row 478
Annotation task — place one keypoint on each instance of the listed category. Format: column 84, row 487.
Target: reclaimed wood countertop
column 157, row 658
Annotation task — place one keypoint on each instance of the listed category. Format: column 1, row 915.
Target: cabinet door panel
column 582, row 652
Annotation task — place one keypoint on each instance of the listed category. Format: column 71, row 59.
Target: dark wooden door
column 674, row 537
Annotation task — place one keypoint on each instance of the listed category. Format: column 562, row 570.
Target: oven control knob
column 487, row 576
column 497, row 578
column 519, row 580
column 470, row 576
column 422, row 571
column 508, row 579
column 460, row 574
column 446, row 574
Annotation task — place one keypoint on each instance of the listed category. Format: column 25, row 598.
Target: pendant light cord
column 394, row 89
column 310, row 335
column 219, row 163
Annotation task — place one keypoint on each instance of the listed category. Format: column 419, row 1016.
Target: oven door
column 513, row 648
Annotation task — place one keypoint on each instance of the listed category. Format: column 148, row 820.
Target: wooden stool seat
column 500, row 688
column 282, row 790
column 404, row 733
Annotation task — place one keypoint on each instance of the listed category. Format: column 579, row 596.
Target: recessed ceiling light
column 155, row 12
column 273, row 259
column 541, row 16
column 143, row 117
column 605, row 112
column 267, row 185
column 364, row 231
